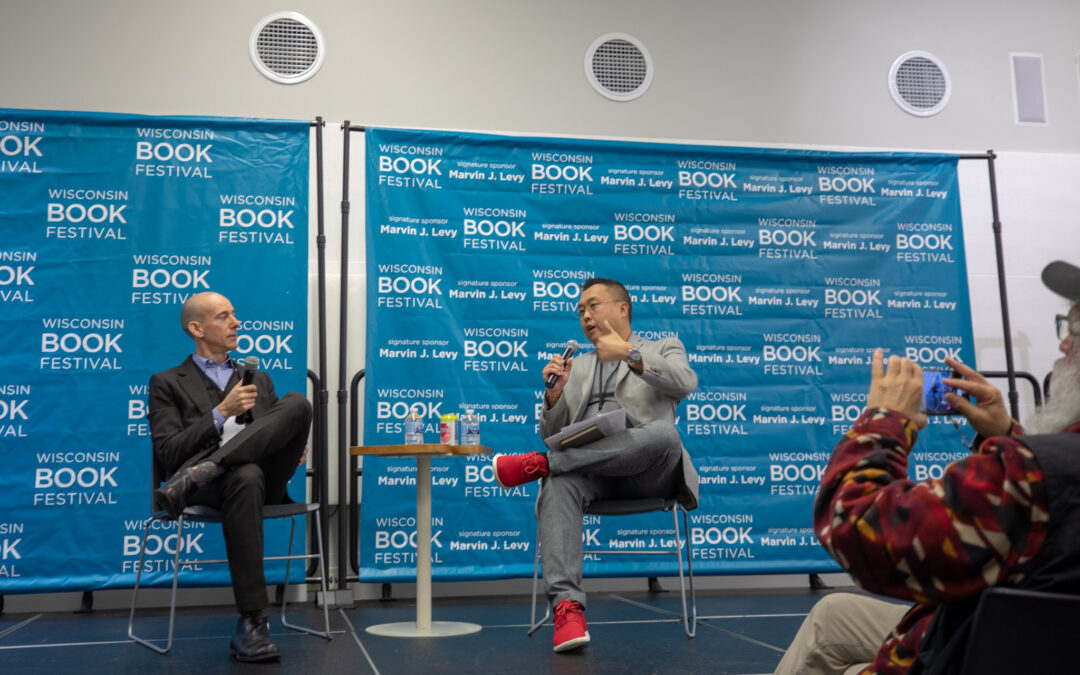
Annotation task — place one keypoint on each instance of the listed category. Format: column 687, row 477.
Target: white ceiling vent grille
column 919, row 84
column 618, row 66
column 286, row 47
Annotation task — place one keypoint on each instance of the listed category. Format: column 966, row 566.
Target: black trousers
column 258, row 462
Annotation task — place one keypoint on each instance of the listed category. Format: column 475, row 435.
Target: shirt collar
column 205, row 363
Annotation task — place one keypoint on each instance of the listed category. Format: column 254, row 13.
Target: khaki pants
column 841, row 635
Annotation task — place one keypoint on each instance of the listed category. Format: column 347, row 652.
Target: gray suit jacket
column 664, row 381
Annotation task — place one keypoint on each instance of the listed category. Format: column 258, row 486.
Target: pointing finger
column 877, row 369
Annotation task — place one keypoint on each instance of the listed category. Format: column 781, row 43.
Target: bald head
column 195, row 309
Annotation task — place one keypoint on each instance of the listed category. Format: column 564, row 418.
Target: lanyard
column 604, row 382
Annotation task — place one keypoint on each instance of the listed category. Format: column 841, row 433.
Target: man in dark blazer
column 647, row 379
column 211, row 458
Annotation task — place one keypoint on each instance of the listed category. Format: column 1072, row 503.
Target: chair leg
column 288, row 566
column 322, row 573
column 534, row 624
column 135, row 596
column 172, row 600
column 285, row 595
column 175, row 579
column 689, row 619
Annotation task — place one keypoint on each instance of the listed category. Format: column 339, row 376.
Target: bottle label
column 448, row 429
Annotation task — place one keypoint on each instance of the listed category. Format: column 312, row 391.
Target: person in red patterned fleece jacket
column 1006, row 516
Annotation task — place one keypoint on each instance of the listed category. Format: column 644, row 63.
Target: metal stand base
column 341, row 598
column 409, row 629
column 87, row 606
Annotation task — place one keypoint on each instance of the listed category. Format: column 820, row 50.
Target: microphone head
column 572, row 347
column 252, row 362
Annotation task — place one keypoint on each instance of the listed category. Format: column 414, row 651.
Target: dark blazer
column 181, row 413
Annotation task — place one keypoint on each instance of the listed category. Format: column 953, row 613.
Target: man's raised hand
column 609, row 346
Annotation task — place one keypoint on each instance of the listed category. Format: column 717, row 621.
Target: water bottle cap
column 471, row 411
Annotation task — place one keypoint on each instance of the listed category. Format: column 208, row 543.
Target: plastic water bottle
column 414, row 429
column 470, row 428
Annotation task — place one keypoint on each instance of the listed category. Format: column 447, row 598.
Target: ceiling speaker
column 286, row 47
column 919, row 84
column 618, row 66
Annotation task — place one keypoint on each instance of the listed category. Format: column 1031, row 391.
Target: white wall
column 1038, row 205
column 758, row 72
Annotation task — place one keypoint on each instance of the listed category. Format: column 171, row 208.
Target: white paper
column 230, row 429
column 610, row 422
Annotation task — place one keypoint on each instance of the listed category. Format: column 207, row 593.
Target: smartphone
column 934, row 390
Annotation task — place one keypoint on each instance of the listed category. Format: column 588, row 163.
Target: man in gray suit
column 645, row 378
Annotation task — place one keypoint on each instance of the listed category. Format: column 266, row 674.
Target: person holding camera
column 1007, row 515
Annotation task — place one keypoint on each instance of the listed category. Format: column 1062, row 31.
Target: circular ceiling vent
column 286, row 47
column 618, row 66
column 919, row 84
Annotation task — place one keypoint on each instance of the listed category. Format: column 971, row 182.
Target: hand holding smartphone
column 934, row 390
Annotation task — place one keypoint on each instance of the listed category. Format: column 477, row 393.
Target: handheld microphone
column 571, row 348
column 252, row 364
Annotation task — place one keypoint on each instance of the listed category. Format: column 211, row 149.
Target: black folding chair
column 626, row 507
column 1019, row 631
column 207, row 514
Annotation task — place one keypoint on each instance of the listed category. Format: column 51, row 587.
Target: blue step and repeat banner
column 108, row 223
column 779, row 270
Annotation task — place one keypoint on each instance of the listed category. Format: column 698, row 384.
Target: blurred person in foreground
column 1008, row 515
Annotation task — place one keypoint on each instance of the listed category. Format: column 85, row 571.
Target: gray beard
column 1063, row 408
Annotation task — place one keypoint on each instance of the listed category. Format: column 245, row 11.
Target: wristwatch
column 634, row 357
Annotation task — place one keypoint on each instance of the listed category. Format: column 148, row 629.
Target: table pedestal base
column 409, row 629
column 423, row 626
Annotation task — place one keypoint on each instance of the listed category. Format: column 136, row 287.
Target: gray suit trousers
column 641, row 462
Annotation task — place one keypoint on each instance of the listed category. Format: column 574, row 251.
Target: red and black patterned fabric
column 934, row 541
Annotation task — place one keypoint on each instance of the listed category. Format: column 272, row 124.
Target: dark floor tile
column 639, row 633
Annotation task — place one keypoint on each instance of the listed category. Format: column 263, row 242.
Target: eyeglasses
column 1066, row 327
column 591, row 307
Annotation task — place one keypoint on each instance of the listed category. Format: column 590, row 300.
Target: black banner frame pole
column 344, row 456
column 354, row 477
column 1010, row 369
column 321, row 471
column 343, row 285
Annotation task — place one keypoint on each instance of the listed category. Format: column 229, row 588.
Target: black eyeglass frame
column 1066, row 327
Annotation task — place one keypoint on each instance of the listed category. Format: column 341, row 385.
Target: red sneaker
column 570, row 629
column 513, row 470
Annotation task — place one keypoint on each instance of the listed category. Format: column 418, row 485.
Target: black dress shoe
column 251, row 641
column 172, row 496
